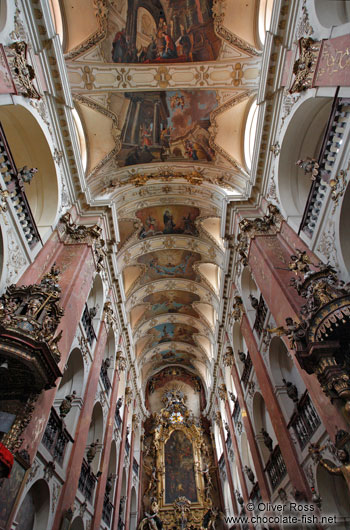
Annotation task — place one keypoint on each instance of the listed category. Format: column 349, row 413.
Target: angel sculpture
column 294, row 331
column 152, row 473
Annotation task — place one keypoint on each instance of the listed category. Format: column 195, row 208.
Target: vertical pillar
column 285, row 442
column 77, row 454
column 269, row 257
column 107, row 443
column 228, row 471
column 128, row 491
column 139, row 495
column 118, row 488
column 259, row 468
column 77, row 267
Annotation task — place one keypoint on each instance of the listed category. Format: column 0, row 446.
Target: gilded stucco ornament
column 22, row 72
column 229, row 357
column 304, row 67
column 222, row 391
column 237, row 308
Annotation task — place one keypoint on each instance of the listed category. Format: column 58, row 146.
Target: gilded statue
column 343, row 457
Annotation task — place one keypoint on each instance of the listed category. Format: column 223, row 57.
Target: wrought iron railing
column 338, row 120
column 246, row 370
column 15, row 187
column 305, row 421
column 107, row 510
column 87, row 481
column 56, row 437
column 276, row 468
column 87, row 325
column 260, row 316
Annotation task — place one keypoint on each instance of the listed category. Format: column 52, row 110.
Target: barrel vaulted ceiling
column 163, row 89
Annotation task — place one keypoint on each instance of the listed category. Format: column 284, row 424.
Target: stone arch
column 302, row 139
column 96, row 433
column 77, row 524
column 333, row 492
column 283, row 367
column 34, row 511
column 262, row 420
column 332, row 12
column 72, row 380
column 29, row 147
column 344, row 229
column 133, row 510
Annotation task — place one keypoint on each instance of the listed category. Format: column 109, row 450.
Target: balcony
column 246, row 370
column 236, row 412
column 87, row 481
column 107, row 510
column 305, row 421
column 56, row 437
column 255, row 495
column 87, row 325
column 276, row 468
column 333, row 138
column 15, row 187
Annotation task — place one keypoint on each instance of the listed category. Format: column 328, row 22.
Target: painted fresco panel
column 174, row 302
column 175, row 219
column 164, row 31
column 169, row 264
column 167, row 127
column 172, row 332
column 179, row 468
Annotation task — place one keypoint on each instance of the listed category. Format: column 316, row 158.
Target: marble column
column 118, row 489
column 128, row 491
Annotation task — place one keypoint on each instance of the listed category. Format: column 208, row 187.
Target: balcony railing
column 246, row 370
column 276, row 468
column 107, row 510
column 105, row 379
column 118, row 419
column 87, row 325
column 135, row 466
column 305, row 421
column 15, row 187
column 56, row 437
column 87, row 481
column 261, row 312
column 338, row 120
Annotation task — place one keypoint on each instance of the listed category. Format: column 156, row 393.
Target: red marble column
column 285, row 442
column 77, row 268
column 118, row 488
column 269, row 257
column 77, row 454
column 228, row 471
column 128, row 492
column 259, row 468
column 216, row 464
column 139, row 495
column 107, row 443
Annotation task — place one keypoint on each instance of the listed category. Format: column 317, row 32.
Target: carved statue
column 342, row 455
column 66, row 404
column 296, row 332
column 210, row 518
column 292, row 391
column 26, row 174
column 254, row 301
column 239, row 498
column 151, row 520
column 267, row 440
column 91, row 453
column 249, row 474
column 242, row 356
column 119, row 403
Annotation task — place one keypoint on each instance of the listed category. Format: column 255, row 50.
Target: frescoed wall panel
column 170, row 302
column 172, row 332
column 169, row 264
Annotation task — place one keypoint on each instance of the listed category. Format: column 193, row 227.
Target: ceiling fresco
column 155, row 32
column 163, row 89
column 168, row 220
column 170, row 302
column 169, row 264
column 166, row 127
column 172, row 332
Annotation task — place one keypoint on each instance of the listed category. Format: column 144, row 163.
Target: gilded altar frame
column 167, row 512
